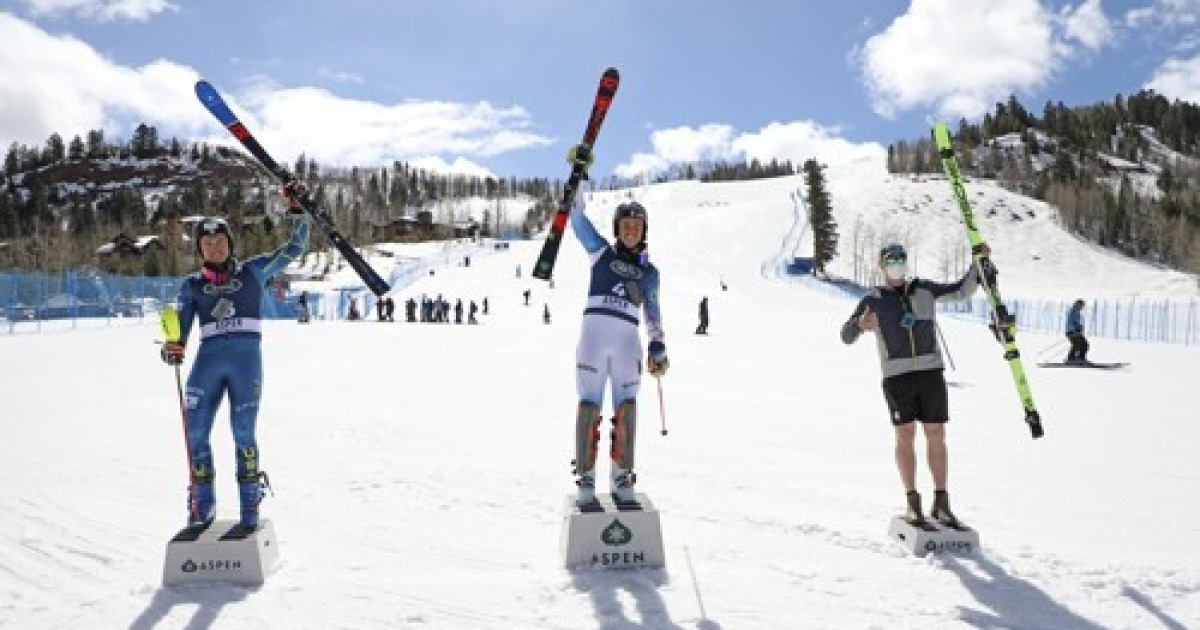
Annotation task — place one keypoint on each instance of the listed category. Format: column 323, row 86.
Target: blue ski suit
column 230, row 356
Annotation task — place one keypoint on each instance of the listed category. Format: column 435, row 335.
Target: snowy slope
column 1036, row 257
column 419, row 469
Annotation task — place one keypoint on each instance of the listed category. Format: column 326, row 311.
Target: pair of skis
column 216, row 106
column 1004, row 324
column 544, row 267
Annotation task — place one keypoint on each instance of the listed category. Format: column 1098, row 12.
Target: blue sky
column 504, row 86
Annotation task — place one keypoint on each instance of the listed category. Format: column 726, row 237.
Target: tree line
column 1124, row 174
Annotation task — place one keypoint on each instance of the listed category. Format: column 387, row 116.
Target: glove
column 657, row 362
column 172, row 353
column 293, row 192
column 989, row 270
column 581, row 155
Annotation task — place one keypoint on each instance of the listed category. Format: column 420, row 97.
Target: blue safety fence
column 34, row 301
column 1157, row 320
column 1161, row 320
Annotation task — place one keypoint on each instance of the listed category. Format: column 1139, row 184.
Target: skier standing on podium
column 902, row 314
column 623, row 284
column 226, row 297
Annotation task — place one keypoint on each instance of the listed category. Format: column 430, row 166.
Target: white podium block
column 933, row 537
column 209, row 559
column 612, row 538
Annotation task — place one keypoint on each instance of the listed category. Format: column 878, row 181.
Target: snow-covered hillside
column 1035, row 256
column 420, row 469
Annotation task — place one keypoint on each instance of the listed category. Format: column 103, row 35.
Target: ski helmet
column 209, row 226
column 892, row 251
column 630, row 210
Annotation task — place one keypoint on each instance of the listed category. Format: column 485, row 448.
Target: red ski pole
column 169, row 319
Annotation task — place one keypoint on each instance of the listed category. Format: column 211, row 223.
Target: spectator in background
column 1074, row 329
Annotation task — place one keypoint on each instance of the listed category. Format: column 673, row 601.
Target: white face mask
column 896, row 272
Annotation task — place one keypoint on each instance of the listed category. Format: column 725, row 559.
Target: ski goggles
column 893, row 255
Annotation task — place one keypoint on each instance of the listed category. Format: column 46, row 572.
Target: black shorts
column 917, row 396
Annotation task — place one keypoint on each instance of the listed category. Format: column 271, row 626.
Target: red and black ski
column 604, row 97
column 212, row 100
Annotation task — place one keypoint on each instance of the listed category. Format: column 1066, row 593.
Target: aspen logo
column 616, row 534
column 210, row 566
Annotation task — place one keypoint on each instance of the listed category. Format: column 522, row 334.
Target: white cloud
column 1166, row 19
column 339, row 76
column 1178, row 79
column 795, row 141
column 1167, row 13
column 338, row 130
column 103, row 10
column 682, row 144
column 59, row 84
column 802, row 140
column 959, row 58
column 1088, row 25
column 460, row 166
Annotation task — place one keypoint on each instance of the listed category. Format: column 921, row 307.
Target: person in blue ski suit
column 1074, row 330
column 225, row 296
column 623, row 284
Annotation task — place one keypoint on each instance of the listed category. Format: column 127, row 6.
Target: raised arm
column 955, row 291
column 585, row 231
column 272, row 263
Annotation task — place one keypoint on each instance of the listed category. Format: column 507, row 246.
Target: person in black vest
column 902, row 314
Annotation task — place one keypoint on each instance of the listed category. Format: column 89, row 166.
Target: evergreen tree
column 820, row 216
column 95, row 144
column 76, row 149
column 56, row 150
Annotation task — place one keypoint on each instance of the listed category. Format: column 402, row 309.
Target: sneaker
column 622, row 485
column 587, row 490
column 941, row 509
column 913, row 515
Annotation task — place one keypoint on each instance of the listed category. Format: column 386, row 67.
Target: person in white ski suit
column 623, row 284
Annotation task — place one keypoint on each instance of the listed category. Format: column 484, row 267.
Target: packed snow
column 419, row 469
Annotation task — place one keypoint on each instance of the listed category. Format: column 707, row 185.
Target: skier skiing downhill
column 623, row 284
column 226, row 297
column 902, row 315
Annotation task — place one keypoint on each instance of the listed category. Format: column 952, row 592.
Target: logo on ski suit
column 626, row 270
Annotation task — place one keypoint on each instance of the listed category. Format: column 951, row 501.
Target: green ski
column 1004, row 325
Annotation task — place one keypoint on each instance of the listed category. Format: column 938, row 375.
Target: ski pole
column 169, row 319
column 945, row 346
column 662, row 414
column 1052, row 346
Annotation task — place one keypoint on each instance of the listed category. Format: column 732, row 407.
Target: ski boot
column 202, row 509
column 622, row 487
column 250, row 494
column 913, row 515
column 587, row 491
column 941, row 510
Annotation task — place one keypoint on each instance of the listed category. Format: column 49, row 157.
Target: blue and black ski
column 212, row 100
